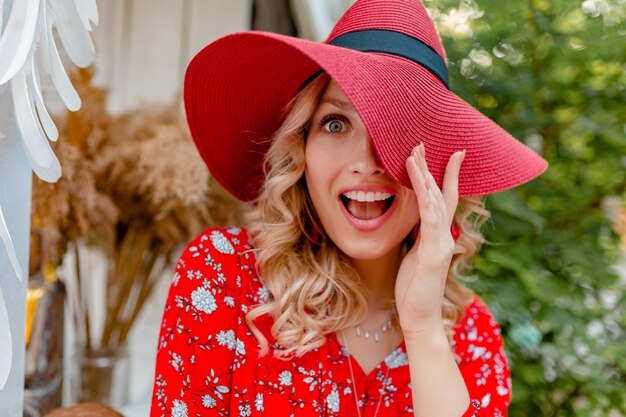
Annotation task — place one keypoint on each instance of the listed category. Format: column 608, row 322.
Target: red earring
column 314, row 236
column 455, row 230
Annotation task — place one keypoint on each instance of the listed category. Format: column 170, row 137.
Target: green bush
column 552, row 73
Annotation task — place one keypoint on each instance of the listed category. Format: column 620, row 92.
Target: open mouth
column 367, row 205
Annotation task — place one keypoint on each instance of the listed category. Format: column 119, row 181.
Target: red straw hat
column 388, row 59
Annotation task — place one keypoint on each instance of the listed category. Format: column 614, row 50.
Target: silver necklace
column 375, row 333
column 356, row 398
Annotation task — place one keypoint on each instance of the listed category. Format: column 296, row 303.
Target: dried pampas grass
column 159, row 176
column 73, row 207
column 133, row 186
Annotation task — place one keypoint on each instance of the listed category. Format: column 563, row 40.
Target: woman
column 343, row 295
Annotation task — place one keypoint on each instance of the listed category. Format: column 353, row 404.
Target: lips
column 367, row 205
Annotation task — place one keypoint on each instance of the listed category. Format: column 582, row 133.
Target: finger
column 432, row 184
column 424, row 166
column 430, row 209
column 416, row 176
column 451, row 184
column 420, row 185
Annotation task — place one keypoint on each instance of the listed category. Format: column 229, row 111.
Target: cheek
column 314, row 173
column 318, row 160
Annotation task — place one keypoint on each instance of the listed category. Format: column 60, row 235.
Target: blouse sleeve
column 480, row 354
column 199, row 325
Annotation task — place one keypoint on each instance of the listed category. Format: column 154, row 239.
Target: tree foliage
column 552, row 73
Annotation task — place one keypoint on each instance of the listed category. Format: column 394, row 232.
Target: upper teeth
column 367, row 196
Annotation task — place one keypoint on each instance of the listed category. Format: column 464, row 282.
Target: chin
column 364, row 251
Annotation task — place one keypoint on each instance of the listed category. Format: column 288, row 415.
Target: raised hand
column 422, row 275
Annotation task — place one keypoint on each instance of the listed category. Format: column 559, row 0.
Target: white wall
column 143, row 46
column 15, row 190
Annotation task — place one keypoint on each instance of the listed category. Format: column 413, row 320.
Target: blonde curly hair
column 306, row 276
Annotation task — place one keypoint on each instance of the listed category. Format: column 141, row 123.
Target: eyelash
column 332, row 117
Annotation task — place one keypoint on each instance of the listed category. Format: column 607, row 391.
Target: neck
column 378, row 276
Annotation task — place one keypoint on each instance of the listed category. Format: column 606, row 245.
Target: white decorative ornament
column 27, row 46
column 17, row 40
column 8, row 244
column 6, row 350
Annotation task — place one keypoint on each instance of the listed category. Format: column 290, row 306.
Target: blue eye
column 333, row 123
column 334, row 126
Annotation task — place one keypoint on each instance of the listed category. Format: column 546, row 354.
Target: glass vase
column 101, row 375
column 43, row 364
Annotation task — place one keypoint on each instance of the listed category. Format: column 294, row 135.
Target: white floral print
column 396, row 359
column 229, row 301
column 226, row 338
column 203, row 300
column 221, row 243
column 179, row 409
column 285, row 378
column 208, row 401
column 176, row 361
column 258, row 402
column 333, row 401
column 263, row 294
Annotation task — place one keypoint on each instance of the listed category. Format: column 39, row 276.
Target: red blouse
column 208, row 362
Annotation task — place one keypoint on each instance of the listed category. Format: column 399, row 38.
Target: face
column 363, row 210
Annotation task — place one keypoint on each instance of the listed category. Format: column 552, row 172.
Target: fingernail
column 422, row 149
column 463, row 155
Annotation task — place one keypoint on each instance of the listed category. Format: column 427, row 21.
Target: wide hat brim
column 237, row 89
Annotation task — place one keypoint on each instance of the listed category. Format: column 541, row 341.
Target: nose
column 364, row 160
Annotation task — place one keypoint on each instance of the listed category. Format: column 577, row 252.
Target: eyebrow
column 344, row 105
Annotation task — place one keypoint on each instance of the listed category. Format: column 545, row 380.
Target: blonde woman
column 342, row 296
